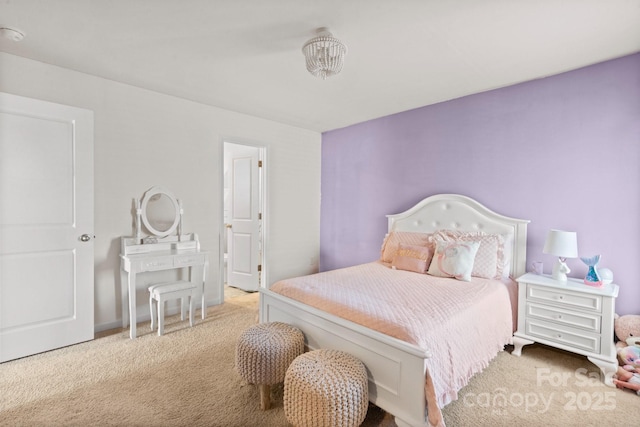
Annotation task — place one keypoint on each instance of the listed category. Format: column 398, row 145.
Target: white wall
column 144, row 138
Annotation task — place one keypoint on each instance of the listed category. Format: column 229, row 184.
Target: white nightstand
column 568, row 315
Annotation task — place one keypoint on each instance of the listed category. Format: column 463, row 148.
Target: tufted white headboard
column 456, row 212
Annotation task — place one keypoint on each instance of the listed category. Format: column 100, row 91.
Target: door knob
column 228, row 225
column 85, row 238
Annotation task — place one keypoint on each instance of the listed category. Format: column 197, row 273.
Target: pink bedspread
column 462, row 324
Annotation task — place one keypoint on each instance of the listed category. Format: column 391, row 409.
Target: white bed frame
column 397, row 369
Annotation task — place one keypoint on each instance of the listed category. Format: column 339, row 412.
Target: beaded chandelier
column 324, row 54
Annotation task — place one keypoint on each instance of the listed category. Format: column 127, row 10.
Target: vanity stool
column 263, row 354
column 162, row 292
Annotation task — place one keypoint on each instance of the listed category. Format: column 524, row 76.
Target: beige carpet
column 187, row 378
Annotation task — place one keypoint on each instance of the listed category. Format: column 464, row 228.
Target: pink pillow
column 393, row 239
column 454, row 259
column 489, row 261
column 412, row 258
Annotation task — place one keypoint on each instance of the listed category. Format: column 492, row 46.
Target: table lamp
column 563, row 244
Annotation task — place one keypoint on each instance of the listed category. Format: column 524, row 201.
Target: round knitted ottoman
column 263, row 354
column 326, row 388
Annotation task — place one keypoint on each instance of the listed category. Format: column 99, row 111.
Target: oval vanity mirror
column 160, row 212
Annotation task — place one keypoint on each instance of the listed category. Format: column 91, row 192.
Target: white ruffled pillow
column 454, row 259
column 507, row 253
column 490, row 259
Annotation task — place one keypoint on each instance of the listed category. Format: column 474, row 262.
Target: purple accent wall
column 563, row 152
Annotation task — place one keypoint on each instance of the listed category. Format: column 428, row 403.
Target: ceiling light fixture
column 324, row 54
column 11, row 34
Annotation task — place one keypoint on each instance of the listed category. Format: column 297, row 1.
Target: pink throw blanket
column 462, row 324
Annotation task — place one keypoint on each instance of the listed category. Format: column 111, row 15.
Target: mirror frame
column 148, row 195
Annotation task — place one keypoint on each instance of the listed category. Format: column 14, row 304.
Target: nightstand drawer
column 587, row 321
column 567, row 299
column 567, row 336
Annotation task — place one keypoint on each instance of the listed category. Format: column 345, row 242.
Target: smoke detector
column 11, row 34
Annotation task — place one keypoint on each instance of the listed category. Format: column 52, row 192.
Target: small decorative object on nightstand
column 563, row 244
column 592, row 278
column 570, row 316
column 606, row 275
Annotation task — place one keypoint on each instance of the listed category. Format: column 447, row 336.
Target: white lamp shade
column 563, row 244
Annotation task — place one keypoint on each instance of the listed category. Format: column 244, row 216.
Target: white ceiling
column 245, row 55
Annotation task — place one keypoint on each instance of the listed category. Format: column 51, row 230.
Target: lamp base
column 560, row 270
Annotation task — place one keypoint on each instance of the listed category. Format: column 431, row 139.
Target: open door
column 244, row 251
column 46, row 226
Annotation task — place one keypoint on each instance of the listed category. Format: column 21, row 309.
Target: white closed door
column 243, row 261
column 46, row 226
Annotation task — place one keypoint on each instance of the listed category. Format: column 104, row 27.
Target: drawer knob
column 560, row 297
column 559, row 335
column 559, row 316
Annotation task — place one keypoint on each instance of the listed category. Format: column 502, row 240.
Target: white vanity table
column 161, row 215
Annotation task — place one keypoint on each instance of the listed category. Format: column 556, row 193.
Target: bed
column 409, row 374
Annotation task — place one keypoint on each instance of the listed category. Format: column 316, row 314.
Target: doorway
column 243, row 218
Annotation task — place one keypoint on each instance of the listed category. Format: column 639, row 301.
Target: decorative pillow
column 489, row 261
column 412, row 258
column 393, row 239
column 507, row 253
column 454, row 259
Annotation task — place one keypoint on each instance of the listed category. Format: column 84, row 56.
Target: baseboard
column 146, row 316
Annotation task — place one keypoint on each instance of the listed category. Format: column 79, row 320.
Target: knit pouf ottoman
column 263, row 354
column 326, row 388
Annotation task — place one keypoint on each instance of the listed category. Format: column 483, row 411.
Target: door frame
column 263, row 203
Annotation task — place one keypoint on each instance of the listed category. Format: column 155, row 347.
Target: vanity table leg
column 124, row 298
column 132, row 305
column 205, row 267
